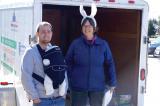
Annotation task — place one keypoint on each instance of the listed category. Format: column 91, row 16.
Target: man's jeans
column 87, row 98
column 51, row 102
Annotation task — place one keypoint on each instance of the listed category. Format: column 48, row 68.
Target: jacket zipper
column 88, row 86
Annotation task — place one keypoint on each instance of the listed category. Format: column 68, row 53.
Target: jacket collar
column 96, row 40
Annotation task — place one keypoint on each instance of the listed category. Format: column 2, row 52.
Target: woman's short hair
column 91, row 22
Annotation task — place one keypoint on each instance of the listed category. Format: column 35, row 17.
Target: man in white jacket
column 42, row 94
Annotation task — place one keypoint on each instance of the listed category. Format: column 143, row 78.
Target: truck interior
column 119, row 27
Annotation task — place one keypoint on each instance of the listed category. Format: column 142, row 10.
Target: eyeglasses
column 87, row 26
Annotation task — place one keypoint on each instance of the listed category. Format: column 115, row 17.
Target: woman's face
column 88, row 30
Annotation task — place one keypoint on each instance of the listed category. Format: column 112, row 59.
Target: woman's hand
column 36, row 101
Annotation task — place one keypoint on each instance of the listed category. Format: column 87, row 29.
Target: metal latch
column 146, row 40
column 143, row 89
column 5, row 83
column 29, row 39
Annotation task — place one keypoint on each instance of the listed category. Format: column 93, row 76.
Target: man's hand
column 36, row 101
column 112, row 89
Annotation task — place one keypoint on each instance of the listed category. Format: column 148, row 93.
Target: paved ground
column 152, row 97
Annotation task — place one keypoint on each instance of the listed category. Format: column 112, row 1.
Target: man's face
column 45, row 34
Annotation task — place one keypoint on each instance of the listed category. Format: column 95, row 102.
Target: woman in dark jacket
column 86, row 58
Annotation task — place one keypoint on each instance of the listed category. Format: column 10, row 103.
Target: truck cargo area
column 121, row 28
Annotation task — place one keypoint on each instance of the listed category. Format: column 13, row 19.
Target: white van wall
column 0, row 43
column 16, row 28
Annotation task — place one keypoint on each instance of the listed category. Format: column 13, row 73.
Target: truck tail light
column 111, row 0
column 143, row 74
column 131, row 1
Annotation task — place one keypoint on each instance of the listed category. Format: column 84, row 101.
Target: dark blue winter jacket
column 86, row 65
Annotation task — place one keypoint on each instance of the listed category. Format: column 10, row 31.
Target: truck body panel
column 122, row 24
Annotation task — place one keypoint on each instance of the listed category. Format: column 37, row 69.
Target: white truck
column 123, row 23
